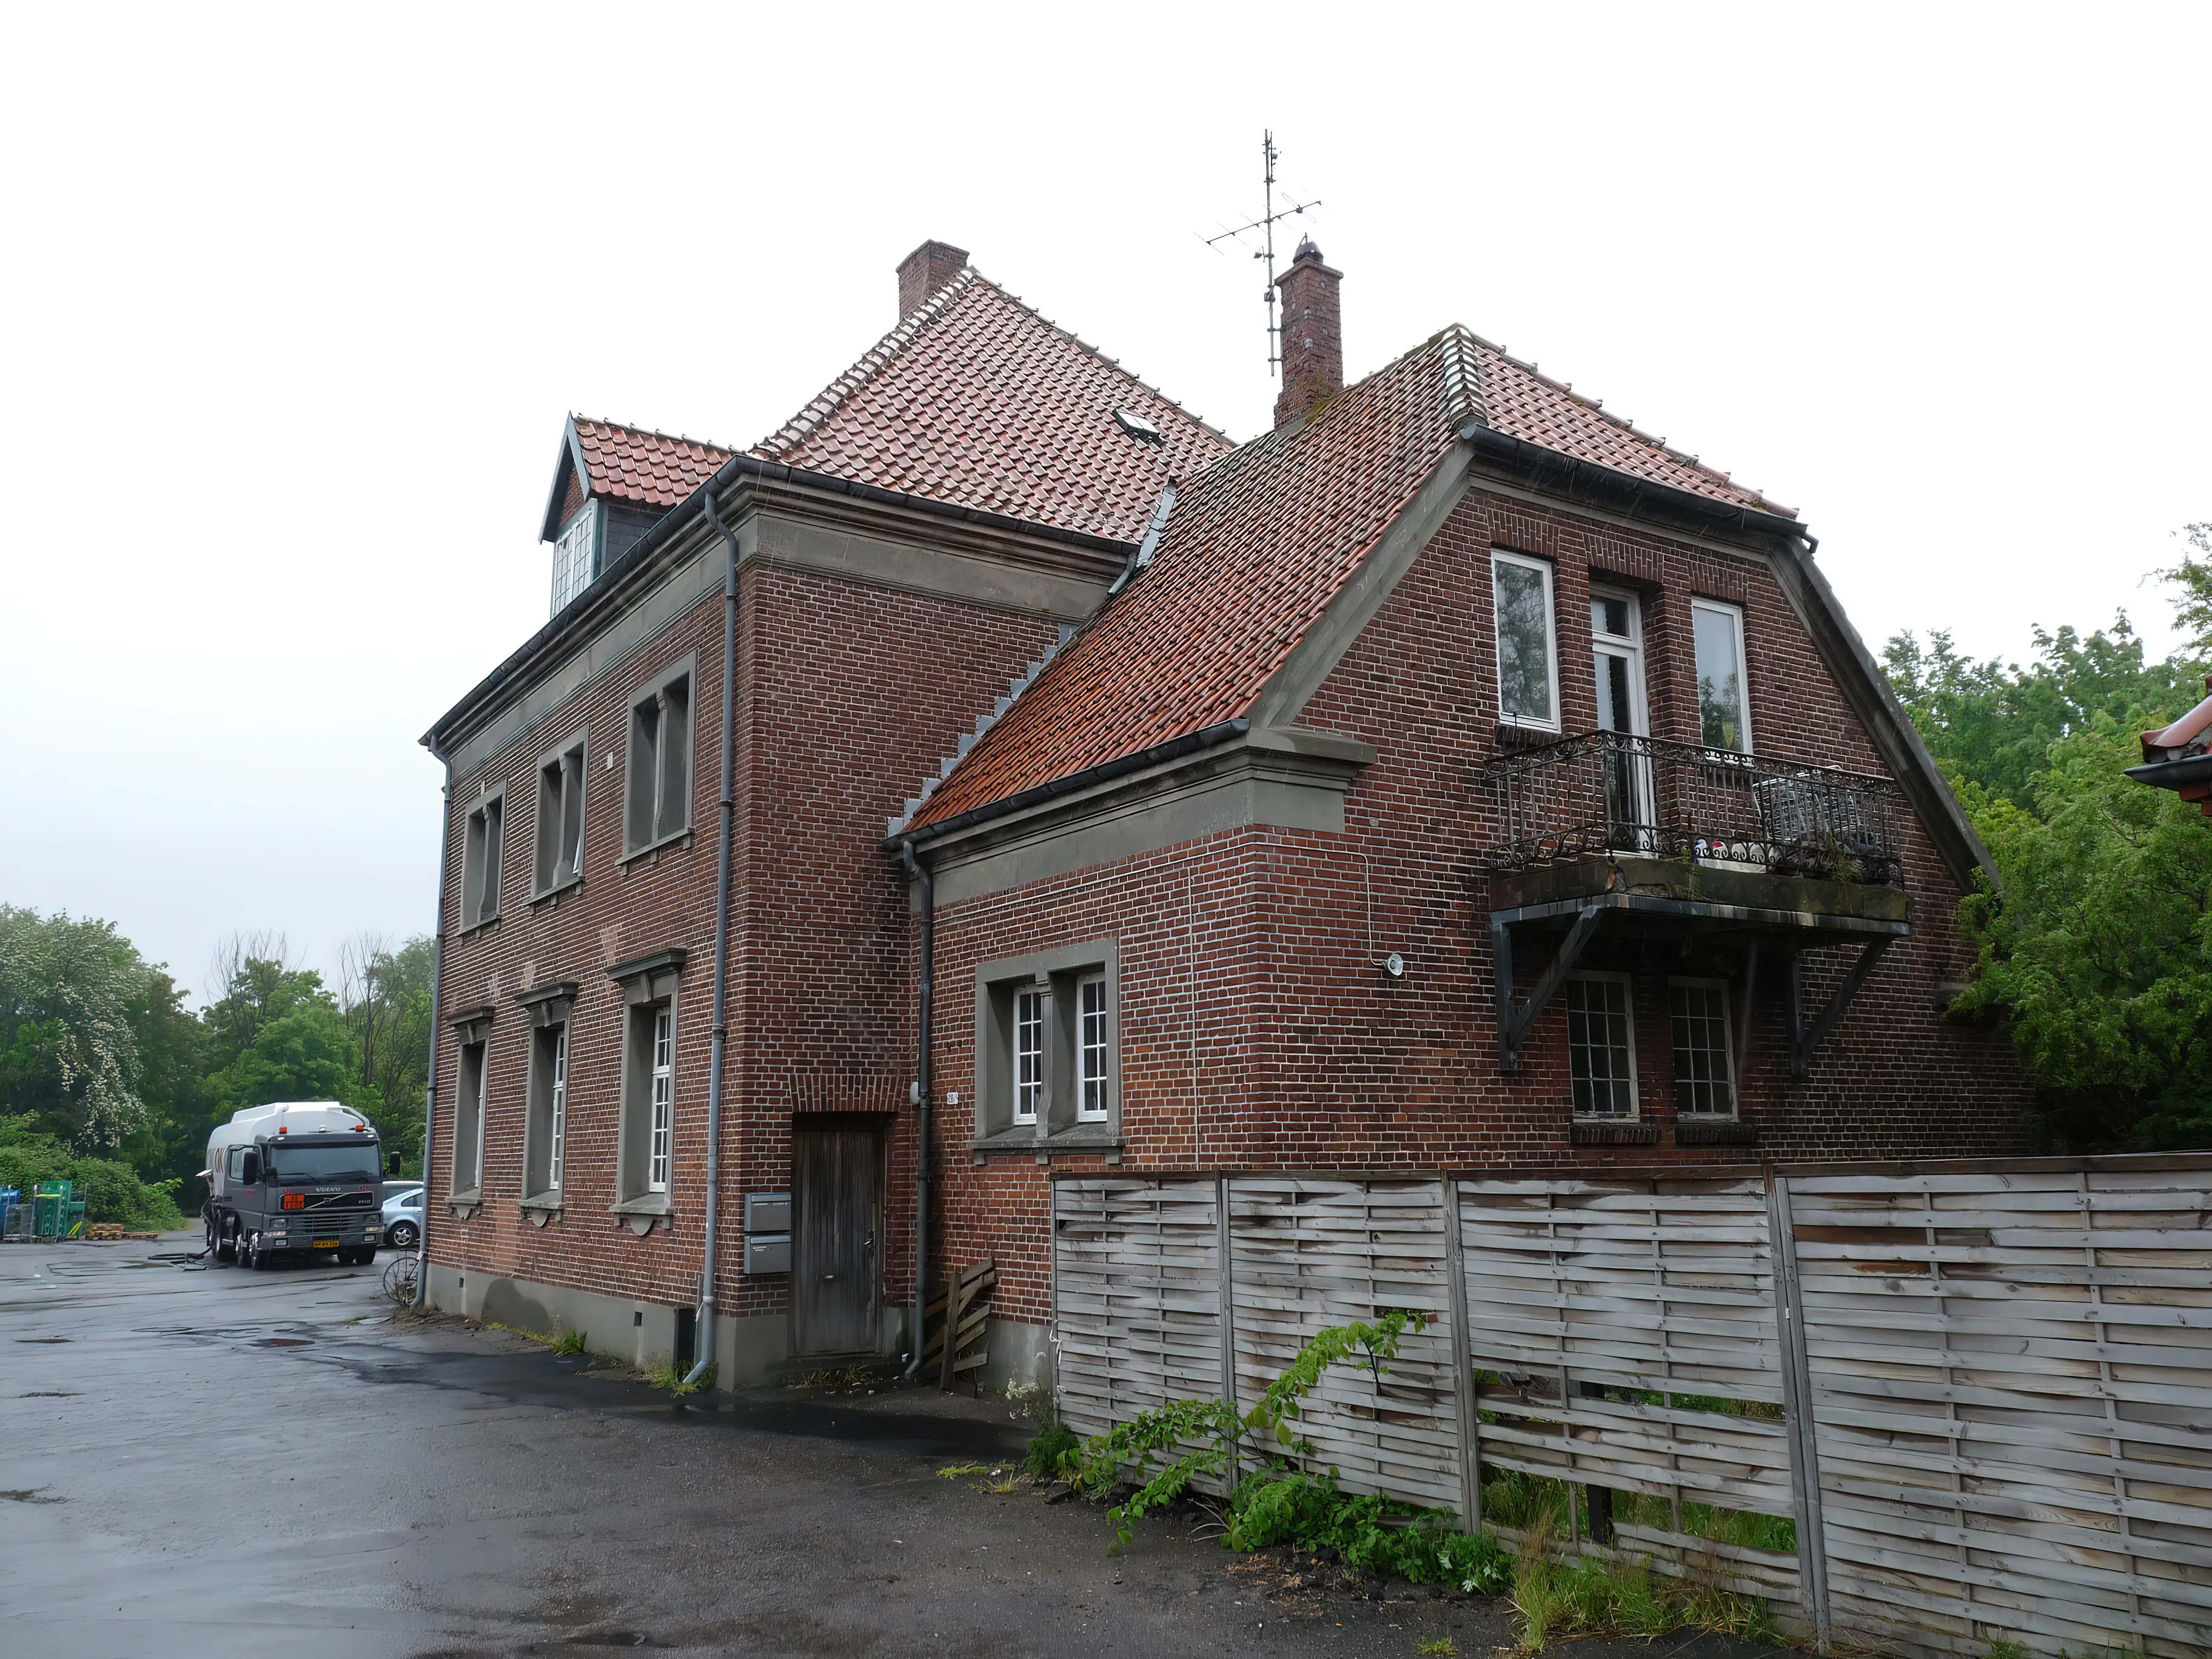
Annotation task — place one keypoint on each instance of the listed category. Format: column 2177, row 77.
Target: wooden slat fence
column 1983, row 1392
column 2011, row 1374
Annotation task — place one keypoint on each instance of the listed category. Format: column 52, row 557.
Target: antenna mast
column 1266, row 225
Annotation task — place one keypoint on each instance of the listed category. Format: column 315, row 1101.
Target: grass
column 663, row 1374
column 570, row 1343
column 1555, row 1595
column 1436, row 1647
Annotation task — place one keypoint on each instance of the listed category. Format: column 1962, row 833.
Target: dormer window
column 1139, row 428
column 575, row 555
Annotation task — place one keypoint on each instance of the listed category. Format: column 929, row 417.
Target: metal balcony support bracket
column 1513, row 1023
column 1804, row 1039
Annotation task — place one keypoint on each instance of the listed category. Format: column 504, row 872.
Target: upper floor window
column 658, row 803
column 480, row 850
column 575, row 555
column 560, row 817
column 1723, row 702
column 1528, row 644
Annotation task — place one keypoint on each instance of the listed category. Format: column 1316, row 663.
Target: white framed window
column 1704, row 1059
column 1723, row 686
column 1093, row 1049
column 1029, row 1055
column 1528, row 641
column 469, row 1102
column 575, row 555
column 658, row 804
column 664, row 1100
column 1601, row 1045
column 557, row 1141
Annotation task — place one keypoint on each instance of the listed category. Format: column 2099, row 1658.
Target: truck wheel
column 214, row 1242
column 225, row 1244
column 251, row 1255
column 365, row 1255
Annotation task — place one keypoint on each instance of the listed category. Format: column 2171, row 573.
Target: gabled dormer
column 610, row 484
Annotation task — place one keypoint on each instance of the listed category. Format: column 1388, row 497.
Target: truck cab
column 292, row 1178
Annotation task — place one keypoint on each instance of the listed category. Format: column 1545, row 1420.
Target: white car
column 402, row 1218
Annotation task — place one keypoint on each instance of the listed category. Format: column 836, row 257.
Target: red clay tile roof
column 650, row 468
column 1261, row 542
column 1523, row 404
column 978, row 401
column 1258, row 544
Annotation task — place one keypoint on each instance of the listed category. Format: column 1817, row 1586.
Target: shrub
column 111, row 1191
column 1051, row 1450
column 1373, row 1534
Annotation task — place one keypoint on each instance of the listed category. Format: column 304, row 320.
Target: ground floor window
column 1601, row 1045
column 664, row 1096
column 1705, row 1071
column 1029, row 1055
column 469, row 1118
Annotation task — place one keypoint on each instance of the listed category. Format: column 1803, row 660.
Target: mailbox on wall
column 767, row 1233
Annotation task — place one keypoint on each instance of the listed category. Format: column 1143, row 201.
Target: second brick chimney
column 927, row 269
column 1313, row 339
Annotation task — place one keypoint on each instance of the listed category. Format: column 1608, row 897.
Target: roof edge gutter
column 1629, row 491
column 671, row 524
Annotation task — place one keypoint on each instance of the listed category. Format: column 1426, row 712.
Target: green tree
column 2100, row 955
column 384, row 991
column 73, row 994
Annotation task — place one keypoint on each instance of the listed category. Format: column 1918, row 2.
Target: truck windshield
column 355, row 1161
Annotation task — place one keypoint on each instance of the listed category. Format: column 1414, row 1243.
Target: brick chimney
column 925, row 270
column 1313, row 338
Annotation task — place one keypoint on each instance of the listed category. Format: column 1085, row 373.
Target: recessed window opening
column 560, row 817
column 1029, row 1055
column 1705, row 1069
column 1723, row 700
column 659, row 803
column 1093, row 1040
column 664, row 1096
column 1528, row 654
column 469, row 1100
column 1601, row 1045
column 480, row 858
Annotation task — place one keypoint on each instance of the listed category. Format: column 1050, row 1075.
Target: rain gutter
column 437, row 981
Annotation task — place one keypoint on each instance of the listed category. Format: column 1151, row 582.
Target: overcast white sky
column 295, row 302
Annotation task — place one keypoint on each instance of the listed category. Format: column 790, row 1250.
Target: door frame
column 878, row 1125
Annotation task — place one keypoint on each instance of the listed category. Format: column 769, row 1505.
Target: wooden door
column 836, row 1236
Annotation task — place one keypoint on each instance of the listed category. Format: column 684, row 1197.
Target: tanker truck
column 291, row 1178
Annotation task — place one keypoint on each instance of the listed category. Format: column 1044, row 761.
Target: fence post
column 1468, row 1419
column 1797, row 1402
column 1227, row 1323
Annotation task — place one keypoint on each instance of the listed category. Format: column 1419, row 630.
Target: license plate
column 324, row 1244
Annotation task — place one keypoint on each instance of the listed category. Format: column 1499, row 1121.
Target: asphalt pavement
column 215, row 1461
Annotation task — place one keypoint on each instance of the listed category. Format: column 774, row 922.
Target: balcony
column 1722, row 854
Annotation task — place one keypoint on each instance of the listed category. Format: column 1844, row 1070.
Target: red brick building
column 1452, row 776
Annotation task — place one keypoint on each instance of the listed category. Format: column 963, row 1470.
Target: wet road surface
column 242, row 1464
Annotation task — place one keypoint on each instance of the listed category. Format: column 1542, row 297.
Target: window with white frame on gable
column 1704, row 1060
column 560, row 834
column 1046, row 1039
column 1601, row 1045
column 1724, row 695
column 1528, row 641
column 576, row 555
column 657, row 803
column 645, row 1151
column 482, row 839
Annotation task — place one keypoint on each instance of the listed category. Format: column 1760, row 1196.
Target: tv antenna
column 1266, row 225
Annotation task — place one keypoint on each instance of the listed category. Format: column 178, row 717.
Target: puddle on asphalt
column 285, row 1342
column 617, row 1639
column 49, row 1393
column 31, row 1495
column 45, row 1339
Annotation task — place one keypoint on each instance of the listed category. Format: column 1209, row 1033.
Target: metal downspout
column 722, row 1032
column 925, row 1100
column 437, row 979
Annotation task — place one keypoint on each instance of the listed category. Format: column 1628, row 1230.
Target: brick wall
column 1258, row 1031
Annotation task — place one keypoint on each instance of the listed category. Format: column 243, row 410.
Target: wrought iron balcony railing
column 1607, row 793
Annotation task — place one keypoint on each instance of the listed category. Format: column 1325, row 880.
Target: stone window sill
column 1023, row 1141
column 1595, row 1132
column 653, row 849
column 465, row 1204
column 644, row 1212
column 540, row 1207
column 485, row 926
column 552, row 894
